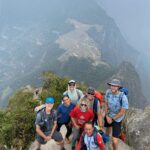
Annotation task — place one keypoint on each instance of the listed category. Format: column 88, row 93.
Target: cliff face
column 137, row 123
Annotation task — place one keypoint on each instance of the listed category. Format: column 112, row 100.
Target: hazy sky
column 133, row 19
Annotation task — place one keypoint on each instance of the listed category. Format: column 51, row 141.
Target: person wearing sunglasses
column 95, row 106
column 63, row 111
column 79, row 116
column 74, row 93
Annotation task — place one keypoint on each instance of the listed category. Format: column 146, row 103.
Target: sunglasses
column 84, row 105
column 72, row 84
column 91, row 94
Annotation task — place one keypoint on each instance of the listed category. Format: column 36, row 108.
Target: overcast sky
column 133, row 19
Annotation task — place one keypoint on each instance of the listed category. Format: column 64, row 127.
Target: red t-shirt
column 82, row 117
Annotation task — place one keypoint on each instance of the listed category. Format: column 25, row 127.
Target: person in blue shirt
column 116, row 104
column 63, row 111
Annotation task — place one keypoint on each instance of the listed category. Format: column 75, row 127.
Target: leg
column 75, row 137
column 108, row 126
column 115, row 143
column 58, row 126
column 116, row 130
column 108, row 130
column 57, row 136
column 69, row 131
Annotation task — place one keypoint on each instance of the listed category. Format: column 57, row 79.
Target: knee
column 115, row 141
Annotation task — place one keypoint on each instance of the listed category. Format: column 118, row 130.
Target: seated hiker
column 63, row 111
column 95, row 106
column 79, row 116
column 90, row 139
column 46, row 123
column 74, row 94
column 116, row 104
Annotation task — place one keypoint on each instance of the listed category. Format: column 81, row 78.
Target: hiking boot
column 67, row 141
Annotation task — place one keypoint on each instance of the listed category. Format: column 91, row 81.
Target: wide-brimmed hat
column 115, row 82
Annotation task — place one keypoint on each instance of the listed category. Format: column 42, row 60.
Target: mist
column 29, row 29
column 133, row 19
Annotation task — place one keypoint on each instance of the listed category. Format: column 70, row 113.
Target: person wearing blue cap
column 46, row 123
column 116, row 104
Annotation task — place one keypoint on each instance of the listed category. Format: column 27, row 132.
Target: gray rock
column 137, row 127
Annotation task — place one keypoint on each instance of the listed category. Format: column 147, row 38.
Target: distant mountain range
column 71, row 38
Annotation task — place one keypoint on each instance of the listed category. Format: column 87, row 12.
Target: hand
column 109, row 120
column 76, row 126
column 48, row 138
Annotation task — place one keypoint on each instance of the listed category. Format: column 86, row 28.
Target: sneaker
column 67, row 141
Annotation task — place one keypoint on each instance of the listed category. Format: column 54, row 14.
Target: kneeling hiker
column 90, row 139
column 116, row 104
column 46, row 122
column 79, row 116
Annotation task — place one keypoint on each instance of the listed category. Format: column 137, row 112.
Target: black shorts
column 116, row 127
column 57, row 136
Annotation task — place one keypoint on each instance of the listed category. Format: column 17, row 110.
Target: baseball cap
column 49, row 100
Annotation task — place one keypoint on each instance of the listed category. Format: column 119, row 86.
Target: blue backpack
column 124, row 90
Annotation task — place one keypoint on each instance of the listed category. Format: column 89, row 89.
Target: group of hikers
column 82, row 114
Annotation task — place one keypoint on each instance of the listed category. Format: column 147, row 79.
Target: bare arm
column 121, row 113
column 54, row 128
column 40, row 132
column 74, row 122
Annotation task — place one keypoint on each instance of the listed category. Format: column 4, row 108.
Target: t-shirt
column 46, row 121
column 82, row 117
column 115, row 103
column 63, row 113
column 90, row 142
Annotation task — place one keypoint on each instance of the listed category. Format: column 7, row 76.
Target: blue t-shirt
column 63, row 113
column 115, row 103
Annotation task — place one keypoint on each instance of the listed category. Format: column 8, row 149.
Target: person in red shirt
column 79, row 116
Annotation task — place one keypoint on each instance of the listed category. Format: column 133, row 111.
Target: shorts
column 57, row 136
column 116, row 127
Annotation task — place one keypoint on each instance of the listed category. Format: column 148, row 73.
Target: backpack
column 99, row 96
column 43, row 117
column 103, row 135
column 124, row 90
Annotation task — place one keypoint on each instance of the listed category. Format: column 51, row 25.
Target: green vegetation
column 17, row 121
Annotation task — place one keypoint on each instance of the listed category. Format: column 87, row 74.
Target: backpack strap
column 78, row 93
column 95, row 136
column 95, row 104
column 120, row 98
